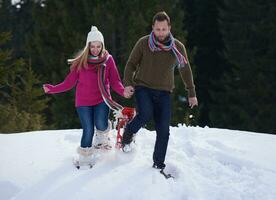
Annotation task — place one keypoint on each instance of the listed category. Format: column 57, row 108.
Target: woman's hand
column 46, row 88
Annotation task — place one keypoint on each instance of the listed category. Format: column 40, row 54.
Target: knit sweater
column 156, row 69
column 86, row 82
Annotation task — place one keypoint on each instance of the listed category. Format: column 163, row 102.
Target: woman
column 91, row 108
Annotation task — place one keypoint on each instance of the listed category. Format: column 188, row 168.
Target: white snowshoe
column 102, row 139
column 85, row 158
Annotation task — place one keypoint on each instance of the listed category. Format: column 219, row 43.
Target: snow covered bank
column 208, row 164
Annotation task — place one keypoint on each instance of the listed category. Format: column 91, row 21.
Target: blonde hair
column 80, row 60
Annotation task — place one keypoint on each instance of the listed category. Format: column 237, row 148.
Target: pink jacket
column 87, row 90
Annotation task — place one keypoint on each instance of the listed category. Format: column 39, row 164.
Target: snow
column 208, row 163
column 13, row 2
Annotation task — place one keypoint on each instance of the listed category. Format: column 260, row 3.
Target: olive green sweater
column 156, row 69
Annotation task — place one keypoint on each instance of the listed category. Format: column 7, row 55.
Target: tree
column 21, row 100
column 247, row 100
column 205, row 39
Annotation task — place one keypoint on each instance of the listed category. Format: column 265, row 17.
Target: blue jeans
column 156, row 104
column 91, row 116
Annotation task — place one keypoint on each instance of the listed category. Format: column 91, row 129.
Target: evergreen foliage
column 231, row 47
column 247, row 101
column 22, row 101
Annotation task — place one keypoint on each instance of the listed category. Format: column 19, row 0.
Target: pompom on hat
column 94, row 35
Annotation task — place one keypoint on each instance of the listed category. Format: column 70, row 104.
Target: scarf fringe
column 155, row 45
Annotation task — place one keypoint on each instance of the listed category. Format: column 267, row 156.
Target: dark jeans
column 156, row 104
column 91, row 116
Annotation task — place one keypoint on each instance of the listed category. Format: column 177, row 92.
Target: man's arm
column 132, row 63
column 187, row 75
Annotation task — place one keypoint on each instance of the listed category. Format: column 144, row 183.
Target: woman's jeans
column 156, row 104
column 91, row 116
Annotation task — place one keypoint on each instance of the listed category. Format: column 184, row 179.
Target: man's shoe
column 159, row 166
column 127, row 138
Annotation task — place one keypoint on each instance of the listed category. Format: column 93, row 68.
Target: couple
column 149, row 75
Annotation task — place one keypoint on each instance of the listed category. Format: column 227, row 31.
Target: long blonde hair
column 80, row 60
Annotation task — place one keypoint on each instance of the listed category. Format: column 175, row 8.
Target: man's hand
column 128, row 92
column 193, row 102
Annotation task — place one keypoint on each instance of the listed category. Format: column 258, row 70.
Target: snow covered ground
column 208, row 164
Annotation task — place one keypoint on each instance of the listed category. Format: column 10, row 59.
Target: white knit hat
column 94, row 35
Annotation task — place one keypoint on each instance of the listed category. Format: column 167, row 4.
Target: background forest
column 231, row 46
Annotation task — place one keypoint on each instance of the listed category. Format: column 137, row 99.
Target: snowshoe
column 103, row 147
column 102, row 139
column 162, row 168
column 85, row 158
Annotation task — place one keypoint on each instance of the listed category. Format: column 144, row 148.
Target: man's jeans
column 156, row 104
column 89, row 116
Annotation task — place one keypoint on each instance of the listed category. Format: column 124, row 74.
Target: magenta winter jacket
column 86, row 81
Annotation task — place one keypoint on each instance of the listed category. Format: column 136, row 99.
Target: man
column 150, row 73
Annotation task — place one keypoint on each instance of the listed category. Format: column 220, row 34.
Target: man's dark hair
column 161, row 16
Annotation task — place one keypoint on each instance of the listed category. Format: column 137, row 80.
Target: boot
column 127, row 137
column 85, row 157
column 102, row 138
column 160, row 166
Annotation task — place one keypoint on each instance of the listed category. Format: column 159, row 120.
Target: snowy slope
column 208, row 164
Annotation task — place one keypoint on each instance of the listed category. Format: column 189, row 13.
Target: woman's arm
column 69, row 82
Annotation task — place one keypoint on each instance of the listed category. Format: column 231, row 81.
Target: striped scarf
column 155, row 45
column 96, row 60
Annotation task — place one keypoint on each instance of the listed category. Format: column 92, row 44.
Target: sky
column 207, row 163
